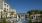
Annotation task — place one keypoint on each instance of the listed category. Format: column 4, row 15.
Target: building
column 22, row 15
column 4, row 6
column 11, row 13
column 35, row 18
column 5, row 9
column 12, row 10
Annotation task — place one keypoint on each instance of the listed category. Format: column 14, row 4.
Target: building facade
column 5, row 10
column 4, row 5
column 35, row 18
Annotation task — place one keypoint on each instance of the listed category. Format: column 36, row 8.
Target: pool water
column 19, row 20
column 22, row 20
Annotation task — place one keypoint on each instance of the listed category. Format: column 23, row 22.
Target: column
column 17, row 16
column 20, row 16
column 24, row 16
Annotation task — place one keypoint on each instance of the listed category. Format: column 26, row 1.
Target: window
column 7, row 5
column 34, row 16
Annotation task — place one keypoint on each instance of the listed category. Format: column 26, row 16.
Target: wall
column 1, row 4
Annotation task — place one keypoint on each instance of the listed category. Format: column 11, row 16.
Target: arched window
column 5, row 4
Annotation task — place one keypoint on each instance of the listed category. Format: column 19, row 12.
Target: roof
column 22, row 14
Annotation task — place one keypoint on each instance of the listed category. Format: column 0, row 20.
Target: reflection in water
column 22, row 20
column 18, row 20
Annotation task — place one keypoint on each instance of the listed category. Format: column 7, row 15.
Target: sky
column 22, row 6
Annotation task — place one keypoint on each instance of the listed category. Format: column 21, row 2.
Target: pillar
column 20, row 16
column 17, row 16
column 24, row 16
